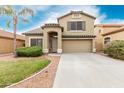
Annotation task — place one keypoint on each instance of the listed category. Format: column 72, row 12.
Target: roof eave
column 113, row 32
column 45, row 26
column 79, row 36
column 108, row 25
column 32, row 33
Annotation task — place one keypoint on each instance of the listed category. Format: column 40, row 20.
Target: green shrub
column 29, row 51
column 115, row 49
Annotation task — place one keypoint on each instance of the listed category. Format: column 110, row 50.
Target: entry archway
column 52, row 38
column 53, row 42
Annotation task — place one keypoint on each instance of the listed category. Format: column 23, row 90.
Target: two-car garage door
column 74, row 46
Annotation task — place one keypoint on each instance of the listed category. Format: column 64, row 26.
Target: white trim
column 59, row 50
column 29, row 40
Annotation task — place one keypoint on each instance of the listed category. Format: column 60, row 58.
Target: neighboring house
column 105, row 33
column 73, row 33
column 6, row 41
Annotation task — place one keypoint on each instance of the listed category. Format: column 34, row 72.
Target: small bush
column 115, row 49
column 29, row 51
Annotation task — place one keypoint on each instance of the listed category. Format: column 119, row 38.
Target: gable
column 77, row 14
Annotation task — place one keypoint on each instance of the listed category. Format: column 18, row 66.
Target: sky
column 49, row 14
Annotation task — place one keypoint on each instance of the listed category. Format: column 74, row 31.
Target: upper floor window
column 76, row 25
column 107, row 40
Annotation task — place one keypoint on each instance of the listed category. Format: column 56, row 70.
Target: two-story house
column 73, row 33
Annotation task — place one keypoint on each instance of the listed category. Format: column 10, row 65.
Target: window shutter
column 76, row 25
column 79, row 25
column 83, row 25
column 73, row 25
column 68, row 26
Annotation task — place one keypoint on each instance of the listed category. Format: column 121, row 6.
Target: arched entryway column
column 59, row 50
column 52, row 40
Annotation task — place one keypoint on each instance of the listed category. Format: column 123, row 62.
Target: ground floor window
column 107, row 40
column 36, row 42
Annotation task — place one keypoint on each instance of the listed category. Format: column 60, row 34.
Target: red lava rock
column 46, row 71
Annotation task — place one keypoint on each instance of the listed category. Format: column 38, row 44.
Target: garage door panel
column 77, row 46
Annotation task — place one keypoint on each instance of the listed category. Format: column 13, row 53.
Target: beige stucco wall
column 27, row 41
column 6, row 44
column 89, row 25
column 116, row 36
column 104, row 29
column 109, row 29
column 99, row 40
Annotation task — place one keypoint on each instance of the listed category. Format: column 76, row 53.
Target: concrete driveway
column 88, row 70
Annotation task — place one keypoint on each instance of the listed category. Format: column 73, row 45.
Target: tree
column 16, row 15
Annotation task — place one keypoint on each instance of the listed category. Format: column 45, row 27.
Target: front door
column 54, row 45
column 53, row 42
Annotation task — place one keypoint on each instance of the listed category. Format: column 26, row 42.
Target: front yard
column 16, row 70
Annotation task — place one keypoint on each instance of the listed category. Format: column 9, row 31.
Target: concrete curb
column 7, row 54
column 30, row 76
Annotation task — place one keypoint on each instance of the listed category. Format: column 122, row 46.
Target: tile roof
column 34, row 32
column 108, row 25
column 51, row 25
column 114, row 31
column 6, row 34
column 78, row 36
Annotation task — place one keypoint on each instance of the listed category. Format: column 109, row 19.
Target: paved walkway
column 88, row 70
